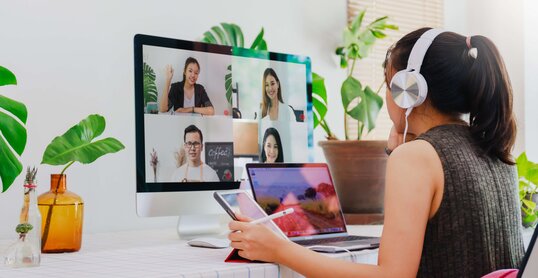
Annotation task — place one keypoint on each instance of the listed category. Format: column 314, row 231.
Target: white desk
column 158, row 253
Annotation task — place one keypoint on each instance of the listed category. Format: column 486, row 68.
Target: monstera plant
column 230, row 34
column 13, row 115
column 360, row 102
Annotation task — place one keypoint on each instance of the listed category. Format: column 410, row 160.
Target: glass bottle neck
column 57, row 183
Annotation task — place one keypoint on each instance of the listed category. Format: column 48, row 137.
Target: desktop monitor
column 202, row 112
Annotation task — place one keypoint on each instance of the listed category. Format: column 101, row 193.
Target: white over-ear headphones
column 408, row 87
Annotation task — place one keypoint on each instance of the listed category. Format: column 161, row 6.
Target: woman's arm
column 164, row 99
column 207, row 111
column 412, row 178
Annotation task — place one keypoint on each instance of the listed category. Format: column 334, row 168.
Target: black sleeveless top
column 477, row 228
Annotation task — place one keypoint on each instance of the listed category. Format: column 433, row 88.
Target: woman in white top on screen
column 272, row 147
column 273, row 107
column 194, row 170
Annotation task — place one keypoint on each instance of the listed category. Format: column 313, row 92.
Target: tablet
column 240, row 202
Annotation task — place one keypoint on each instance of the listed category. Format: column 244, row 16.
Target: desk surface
column 158, row 253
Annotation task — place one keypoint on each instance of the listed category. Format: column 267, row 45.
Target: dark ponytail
column 490, row 98
column 461, row 84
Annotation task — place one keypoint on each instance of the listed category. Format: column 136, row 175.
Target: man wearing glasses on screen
column 195, row 170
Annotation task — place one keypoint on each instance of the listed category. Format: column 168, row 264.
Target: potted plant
column 13, row 129
column 527, row 172
column 358, row 166
column 62, row 210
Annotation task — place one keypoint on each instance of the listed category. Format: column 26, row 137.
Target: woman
column 186, row 96
column 272, row 147
column 272, row 104
column 451, row 207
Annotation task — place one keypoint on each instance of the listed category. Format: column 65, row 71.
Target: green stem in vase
column 48, row 219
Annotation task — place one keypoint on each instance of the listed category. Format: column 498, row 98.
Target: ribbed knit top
column 477, row 228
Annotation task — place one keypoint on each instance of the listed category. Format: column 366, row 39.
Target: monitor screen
column 203, row 111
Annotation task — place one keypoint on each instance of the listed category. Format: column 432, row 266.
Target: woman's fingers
column 238, row 226
column 243, row 218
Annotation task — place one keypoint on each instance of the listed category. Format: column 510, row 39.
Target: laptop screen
column 307, row 188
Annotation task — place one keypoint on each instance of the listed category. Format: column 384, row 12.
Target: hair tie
column 473, row 51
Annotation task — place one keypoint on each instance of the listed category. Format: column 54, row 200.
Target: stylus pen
column 273, row 216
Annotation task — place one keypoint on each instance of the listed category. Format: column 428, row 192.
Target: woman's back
column 476, row 229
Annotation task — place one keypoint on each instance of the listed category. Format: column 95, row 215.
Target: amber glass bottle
column 61, row 213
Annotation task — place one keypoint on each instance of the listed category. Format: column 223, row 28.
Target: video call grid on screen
column 233, row 81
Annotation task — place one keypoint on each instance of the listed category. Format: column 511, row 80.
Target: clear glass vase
column 62, row 213
column 26, row 251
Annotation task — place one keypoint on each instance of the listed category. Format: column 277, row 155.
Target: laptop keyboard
column 322, row 241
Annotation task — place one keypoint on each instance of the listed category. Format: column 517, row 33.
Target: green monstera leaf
column 150, row 89
column 319, row 98
column 77, row 144
column 230, row 34
column 368, row 106
column 13, row 136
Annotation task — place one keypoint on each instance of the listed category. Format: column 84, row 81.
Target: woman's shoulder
column 177, row 86
column 417, row 153
column 199, row 88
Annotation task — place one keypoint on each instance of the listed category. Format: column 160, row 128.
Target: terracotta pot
column 358, row 171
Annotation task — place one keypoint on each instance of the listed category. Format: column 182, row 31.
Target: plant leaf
column 10, row 168
column 76, row 145
column 259, row 43
column 220, row 35
column 230, row 31
column 522, row 164
column 529, row 204
column 209, row 38
column 150, row 89
column 14, row 107
column 239, row 35
column 228, row 85
column 14, row 132
column 357, row 22
column 13, row 139
column 7, row 77
column 368, row 108
column 351, row 89
column 319, row 98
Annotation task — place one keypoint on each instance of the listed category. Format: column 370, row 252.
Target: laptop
column 317, row 221
column 529, row 265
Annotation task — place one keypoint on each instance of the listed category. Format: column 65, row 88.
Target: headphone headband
column 420, row 48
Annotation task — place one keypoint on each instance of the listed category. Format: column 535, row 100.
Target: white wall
column 531, row 71
column 502, row 22
column 75, row 58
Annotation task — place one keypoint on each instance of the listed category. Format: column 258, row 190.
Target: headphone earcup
column 408, row 89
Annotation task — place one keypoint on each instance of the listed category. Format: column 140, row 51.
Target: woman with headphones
column 451, row 204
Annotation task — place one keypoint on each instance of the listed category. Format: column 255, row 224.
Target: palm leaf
column 150, row 89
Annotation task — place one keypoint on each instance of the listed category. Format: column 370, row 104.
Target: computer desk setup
column 183, row 157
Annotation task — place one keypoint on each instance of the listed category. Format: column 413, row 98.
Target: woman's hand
column 169, row 73
column 255, row 241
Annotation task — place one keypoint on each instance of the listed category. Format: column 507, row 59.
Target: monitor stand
column 202, row 225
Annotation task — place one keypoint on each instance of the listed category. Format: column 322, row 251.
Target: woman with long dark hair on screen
column 272, row 147
column 186, row 96
column 451, row 199
column 273, row 106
